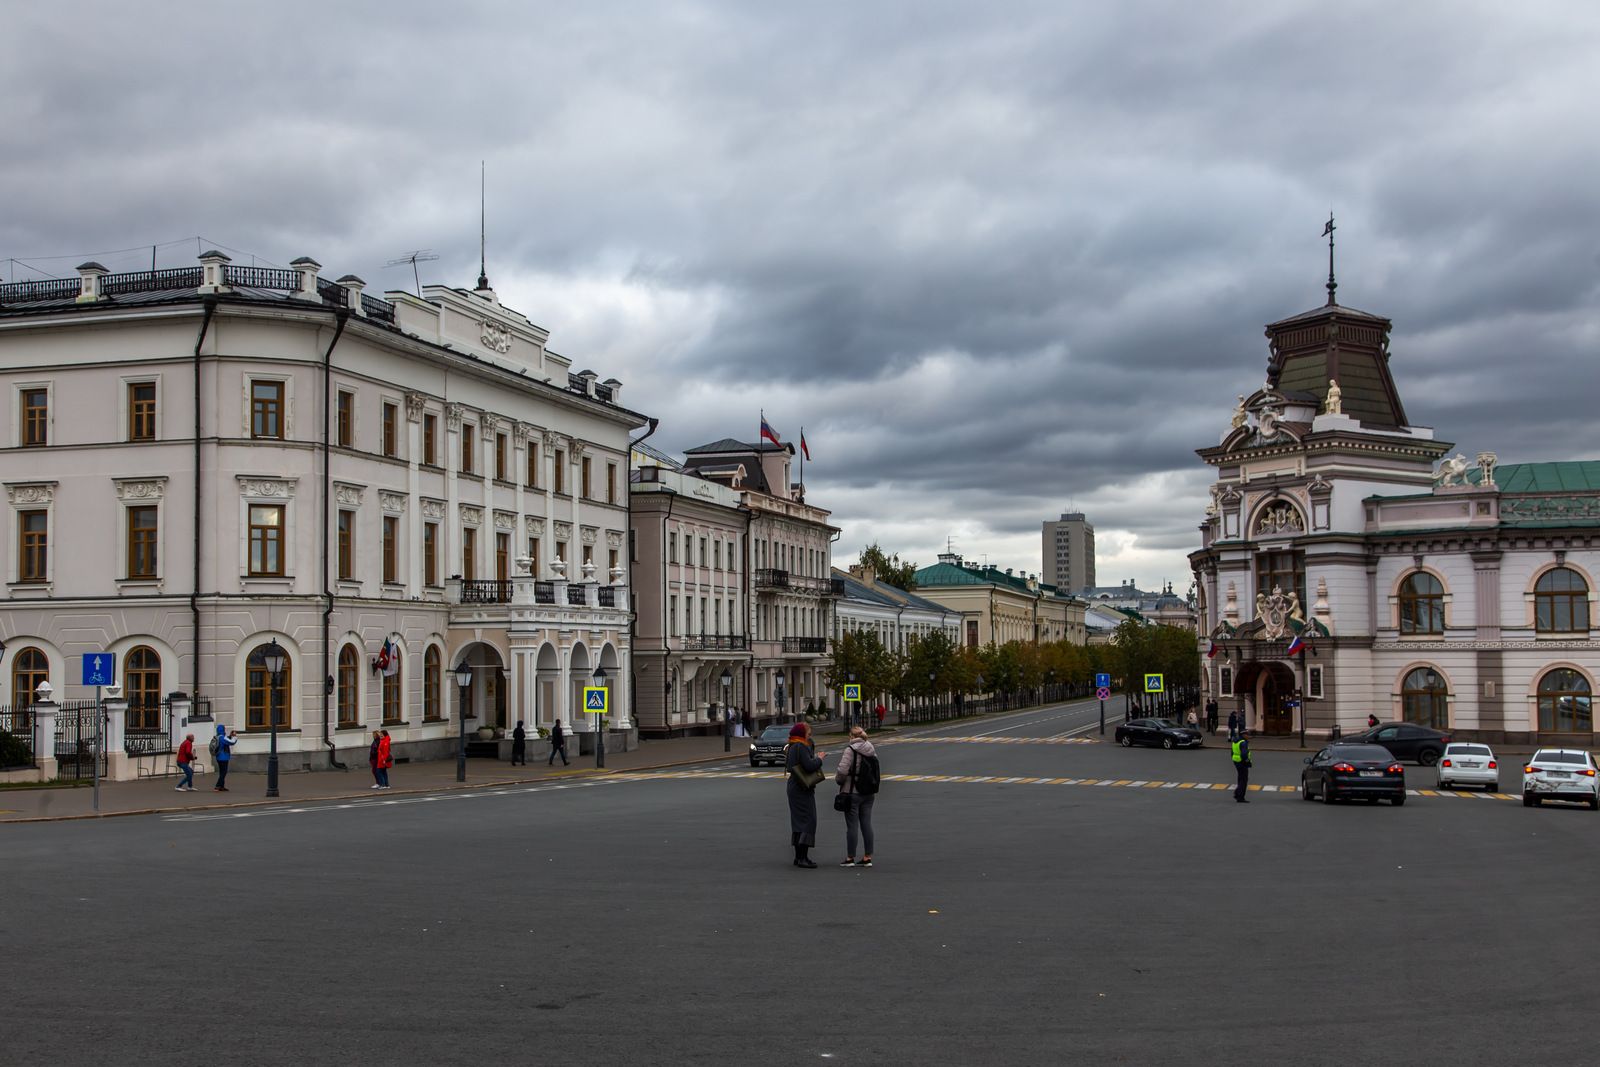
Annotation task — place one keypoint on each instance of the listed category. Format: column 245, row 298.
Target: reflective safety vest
column 1238, row 756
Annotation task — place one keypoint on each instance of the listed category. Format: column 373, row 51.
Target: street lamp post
column 930, row 688
column 782, row 717
column 273, row 660
column 600, row 722
column 463, row 681
column 727, row 726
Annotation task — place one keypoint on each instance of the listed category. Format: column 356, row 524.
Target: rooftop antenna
column 483, row 212
column 421, row 255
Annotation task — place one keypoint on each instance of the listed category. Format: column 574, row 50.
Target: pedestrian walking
column 222, row 753
column 857, row 793
column 372, row 758
column 519, row 745
column 804, row 765
column 558, row 743
column 1211, row 717
column 879, row 713
column 1233, row 725
column 1194, row 721
column 186, row 764
column 1241, row 766
column 385, row 758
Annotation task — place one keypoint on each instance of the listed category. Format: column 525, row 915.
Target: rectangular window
column 142, row 411
column 611, row 564
column 469, row 553
column 35, row 418
column 469, row 445
column 533, row 466
column 672, row 548
column 716, row 555
column 561, row 469
column 561, row 553
column 716, row 617
column 391, row 429
column 703, row 557
column 266, row 410
column 266, row 539
column 611, row 483
column 346, row 420
column 533, row 554
column 502, row 557
column 430, row 553
column 392, row 711
column 391, row 548
column 142, row 542
column 33, row 546
column 588, row 554
column 972, row 633
column 347, row 545
column 430, row 440
column 584, row 471
column 672, row 616
column 500, row 457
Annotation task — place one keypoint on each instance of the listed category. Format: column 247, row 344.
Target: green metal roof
column 1575, row 476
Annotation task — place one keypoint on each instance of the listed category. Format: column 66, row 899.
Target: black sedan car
column 769, row 746
column 1163, row 732
column 1405, row 741
column 1346, row 771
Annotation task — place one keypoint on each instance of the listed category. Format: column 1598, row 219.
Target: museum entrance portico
column 1267, row 692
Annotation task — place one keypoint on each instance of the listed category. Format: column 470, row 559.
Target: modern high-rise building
column 1068, row 552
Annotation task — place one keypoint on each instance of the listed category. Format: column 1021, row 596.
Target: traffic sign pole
column 99, row 743
column 1102, row 717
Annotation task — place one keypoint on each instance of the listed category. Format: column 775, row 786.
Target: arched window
column 432, row 684
column 1561, row 602
column 142, row 685
column 260, row 694
column 349, row 686
column 1424, row 699
column 27, row 671
column 392, row 711
column 1565, row 705
column 1421, row 604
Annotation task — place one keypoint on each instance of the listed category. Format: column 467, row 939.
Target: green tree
column 889, row 568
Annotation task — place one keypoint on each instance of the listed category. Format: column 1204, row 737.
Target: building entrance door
column 1277, row 690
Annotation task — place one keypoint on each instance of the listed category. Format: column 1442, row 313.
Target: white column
column 44, row 734
column 118, row 766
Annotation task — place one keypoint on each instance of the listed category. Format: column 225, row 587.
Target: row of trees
column 935, row 665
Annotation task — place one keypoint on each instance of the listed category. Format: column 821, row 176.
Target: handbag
column 841, row 802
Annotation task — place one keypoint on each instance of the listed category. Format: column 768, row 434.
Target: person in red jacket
column 385, row 760
column 186, row 764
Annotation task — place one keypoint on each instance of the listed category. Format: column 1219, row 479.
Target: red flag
column 768, row 432
column 803, row 449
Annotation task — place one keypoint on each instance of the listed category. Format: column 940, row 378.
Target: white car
column 1561, row 774
column 1465, row 763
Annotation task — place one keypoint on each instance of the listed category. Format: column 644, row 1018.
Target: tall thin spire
column 483, row 214
column 1327, row 231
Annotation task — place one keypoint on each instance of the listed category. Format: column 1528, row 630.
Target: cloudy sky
column 1001, row 260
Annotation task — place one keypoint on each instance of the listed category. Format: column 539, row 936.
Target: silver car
column 1561, row 774
column 1467, row 763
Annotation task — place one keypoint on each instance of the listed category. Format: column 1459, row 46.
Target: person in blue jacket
column 225, row 741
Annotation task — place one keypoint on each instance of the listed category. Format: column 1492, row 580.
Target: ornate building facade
column 201, row 461
column 1351, row 566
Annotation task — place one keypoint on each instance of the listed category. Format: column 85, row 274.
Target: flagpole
column 802, row 457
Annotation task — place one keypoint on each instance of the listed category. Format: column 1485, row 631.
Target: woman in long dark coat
column 800, row 756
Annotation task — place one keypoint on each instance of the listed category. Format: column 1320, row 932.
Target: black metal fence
column 148, row 730
column 76, row 747
column 960, row 705
column 19, row 731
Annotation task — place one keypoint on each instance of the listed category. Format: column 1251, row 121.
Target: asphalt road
column 657, row 919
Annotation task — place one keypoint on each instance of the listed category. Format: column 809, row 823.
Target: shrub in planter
column 14, row 752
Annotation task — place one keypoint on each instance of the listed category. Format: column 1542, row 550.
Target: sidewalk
column 151, row 795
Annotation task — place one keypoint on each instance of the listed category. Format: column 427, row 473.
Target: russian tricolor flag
column 1297, row 645
column 768, row 433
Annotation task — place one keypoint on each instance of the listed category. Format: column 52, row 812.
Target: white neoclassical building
column 1428, row 588
column 200, row 461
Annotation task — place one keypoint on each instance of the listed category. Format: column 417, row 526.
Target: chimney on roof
column 307, row 268
column 616, row 389
column 863, row 574
column 352, row 292
column 589, row 378
column 90, row 273
column 215, row 278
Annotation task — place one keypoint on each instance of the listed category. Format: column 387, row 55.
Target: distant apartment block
column 1068, row 552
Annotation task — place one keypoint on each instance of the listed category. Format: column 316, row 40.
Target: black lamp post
column 931, row 693
column 727, row 725
column 781, row 716
column 273, row 659
column 600, row 722
column 463, row 682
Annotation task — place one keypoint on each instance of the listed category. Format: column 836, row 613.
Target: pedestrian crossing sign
column 852, row 694
column 1155, row 683
column 594, row 699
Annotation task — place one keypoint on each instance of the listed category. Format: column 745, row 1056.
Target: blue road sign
column 594, row 699
column 99, row 668
column 1102, row 681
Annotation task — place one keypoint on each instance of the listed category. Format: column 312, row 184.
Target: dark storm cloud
column 999, row 260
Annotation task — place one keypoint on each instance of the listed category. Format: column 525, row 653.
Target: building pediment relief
column 1278, row 518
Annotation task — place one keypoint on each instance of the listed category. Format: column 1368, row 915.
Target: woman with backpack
column 857, row 775
column 805, row 774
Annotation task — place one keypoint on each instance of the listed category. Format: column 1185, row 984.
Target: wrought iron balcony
column 716, row 642
column 485, row 591
column 805, row 644
column 544, row 593
column 575, row 595
column 772, row 578
column 607, row 595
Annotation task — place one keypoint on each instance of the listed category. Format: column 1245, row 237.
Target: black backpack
column 866, row 772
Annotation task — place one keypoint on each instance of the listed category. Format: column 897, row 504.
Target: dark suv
column 768, row 748
column 1405, row 741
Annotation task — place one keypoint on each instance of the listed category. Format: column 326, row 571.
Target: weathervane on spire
column 1327, row 231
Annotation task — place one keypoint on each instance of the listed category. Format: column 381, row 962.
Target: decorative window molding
column 17, row 390
column 347, row 494
column 1279, row 517
column 471, row 514
column 31, row 494
column 433, row 509
column 124, row 406
column 505, row 520
column 265, row 489
column 416, row 403
column 392, row 503
column 534, row 526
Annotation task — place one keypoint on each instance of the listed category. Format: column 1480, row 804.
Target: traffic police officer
column 1241, row 765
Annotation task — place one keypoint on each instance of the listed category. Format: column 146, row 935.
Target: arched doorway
column 484, row 698
column 1275, row 693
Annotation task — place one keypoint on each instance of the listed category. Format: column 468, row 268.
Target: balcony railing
column 544, row 593
column 772, row 578
column 485, row 591
column 716, row 642
column 805, row 644
column 575, row 595
column 607, row 595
